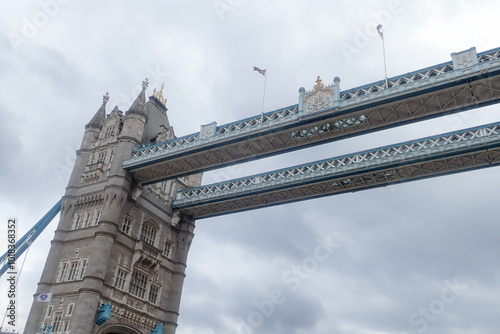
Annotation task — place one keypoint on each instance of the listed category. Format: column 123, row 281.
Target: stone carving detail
column 320, row 97
column 130, row 316
column 176, row 218
column 464, row 59
column 147, row 263
column 118, row 295
column 154, row 278
column 60, row 306
column 135, row 303
column 151, row 310
column 93, row 172
column 318, row 101
column 208, row 130
column 89, row 201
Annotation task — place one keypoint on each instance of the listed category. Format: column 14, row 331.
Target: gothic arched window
column 126, row 223
column 138, row 283
column 148, row 233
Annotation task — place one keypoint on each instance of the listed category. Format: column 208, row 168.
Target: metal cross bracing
column 430, row 92
column 453, row 152
column 414, row 77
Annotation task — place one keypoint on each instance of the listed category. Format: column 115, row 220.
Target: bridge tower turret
column 117, row 241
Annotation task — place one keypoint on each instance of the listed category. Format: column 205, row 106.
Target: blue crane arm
column 26, row 240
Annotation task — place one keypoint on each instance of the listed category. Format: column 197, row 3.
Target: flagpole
column 264, row 73
column 263, row 97
column 385, row 65
column 381, row 34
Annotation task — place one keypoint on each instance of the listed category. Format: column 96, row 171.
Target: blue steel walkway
column 325, row 114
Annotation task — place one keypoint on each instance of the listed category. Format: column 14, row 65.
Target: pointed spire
column 114, row 111
column 139, row 105
column 100, row 117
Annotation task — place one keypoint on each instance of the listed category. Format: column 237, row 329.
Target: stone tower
column 116, row 242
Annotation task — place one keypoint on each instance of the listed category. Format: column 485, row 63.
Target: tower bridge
column 118, row 258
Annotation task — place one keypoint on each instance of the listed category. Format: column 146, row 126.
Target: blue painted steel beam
column 477, row 147
column 30, row 236
column 193, row 154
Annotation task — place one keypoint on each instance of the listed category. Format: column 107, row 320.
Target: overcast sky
column 419, row 257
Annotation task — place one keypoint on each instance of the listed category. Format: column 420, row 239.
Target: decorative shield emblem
column 319, row 98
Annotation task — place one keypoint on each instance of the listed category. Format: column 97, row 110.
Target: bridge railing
column 490, row 55
column 422, row 148
column 430, row 76
column 231, row 130
column 397, row 86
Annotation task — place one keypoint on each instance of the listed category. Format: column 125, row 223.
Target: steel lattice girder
column 427, row 77
column 380, row 178
column 455, row 158
column 329, row 125
column 486, row 134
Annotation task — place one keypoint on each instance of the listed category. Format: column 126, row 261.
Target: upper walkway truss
column 326, row 114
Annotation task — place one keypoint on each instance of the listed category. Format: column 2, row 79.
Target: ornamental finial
column 145, row 84
column 319, row 84
column 159, row 95
column 105, row 98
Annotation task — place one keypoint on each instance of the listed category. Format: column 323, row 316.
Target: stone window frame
column 149, row 231
column 86, row 218
column 153, row 291
column 127, row 223
column 167, row 248
column 82, row 267
column 96, row 217
column 49, row 311
column 143, row 286
column 77, row 221
column 110, row 131
column 89, row 215
column 65, row 326
column 121, row 278
column 62, row 272
column 138, row 284
column 66, row 275
column 57, row 322
column 73, row 270
column 101, row 156
column 69, row 309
